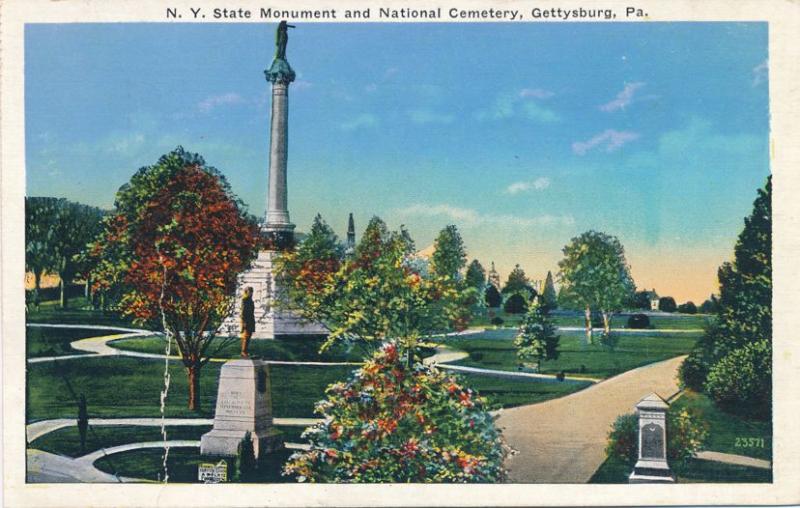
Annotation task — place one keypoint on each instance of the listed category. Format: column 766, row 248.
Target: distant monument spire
column 494, row 277
column 351, row 235
column 277, row 226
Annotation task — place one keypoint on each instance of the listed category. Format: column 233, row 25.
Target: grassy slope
column 117, row 387
column 300, row 349
column 494, row 349
column 724, row 428
column 182, row 465
column 698, row 471
column 66, row 441
column 659, row 321
column 54, row 342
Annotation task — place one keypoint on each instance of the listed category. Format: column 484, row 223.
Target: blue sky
column 522, row 134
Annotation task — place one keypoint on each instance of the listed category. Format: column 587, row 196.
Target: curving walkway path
column 563, row 440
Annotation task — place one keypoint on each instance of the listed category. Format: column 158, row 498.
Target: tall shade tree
column 549, row 296
column 175, row 244
column 40, row 218
column 377, row 294
column 594, row 273
column 476, row 276
column 75, row 226
column 449, row 256
column 743, row 309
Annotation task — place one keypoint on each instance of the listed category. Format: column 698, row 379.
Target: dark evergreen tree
column 744, row 314
column 476, row 276
column 537, row 339
column 515, row 304
column 493, row 297
column 549, row 296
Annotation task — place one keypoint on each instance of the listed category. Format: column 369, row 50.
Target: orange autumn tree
column 173, row 247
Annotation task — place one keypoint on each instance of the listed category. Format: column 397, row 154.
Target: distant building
column 494, row 278
column 653, row 298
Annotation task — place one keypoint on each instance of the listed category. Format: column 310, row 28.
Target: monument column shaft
column 278, row 211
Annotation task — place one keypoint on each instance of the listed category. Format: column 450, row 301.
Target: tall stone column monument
column 277, row 229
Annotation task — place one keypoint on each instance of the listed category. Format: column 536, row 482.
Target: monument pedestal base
column 243, row 405
column 225, row 443
column 271, row 322
column 648, row 471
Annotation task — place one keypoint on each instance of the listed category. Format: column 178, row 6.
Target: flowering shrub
column 392, row 422
column 686, row 433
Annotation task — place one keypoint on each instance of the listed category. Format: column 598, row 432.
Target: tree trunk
column 87, row 290
column 606, row 322
column 37, row 280
column 588, row 315
column 63, row 300
column 194, row 387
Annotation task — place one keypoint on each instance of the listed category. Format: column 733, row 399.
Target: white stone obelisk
column 277, row 230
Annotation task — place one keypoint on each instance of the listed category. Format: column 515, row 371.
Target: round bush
column 667, row 304
column 693, row 372
column 395, row 423
column 742, row 381
column 687, row 308
column 639, row 322
column 497, row 321
column 515, row 304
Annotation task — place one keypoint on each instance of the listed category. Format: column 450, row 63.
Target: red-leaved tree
column 174, row 246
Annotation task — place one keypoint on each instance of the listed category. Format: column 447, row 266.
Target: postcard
column 400, row 253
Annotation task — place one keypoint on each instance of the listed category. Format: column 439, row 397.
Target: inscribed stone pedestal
column 652, row 465
column 243, row 405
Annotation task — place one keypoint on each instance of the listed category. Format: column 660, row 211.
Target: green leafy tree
column 744, row 310
column 378, row 293
column 518, row 283
column 641, row 300
column 687, row 308
column 710, row 306
column 449, row 256
column 537, row 339
column 41, row 214
column 174, row 246
column 476, row 276
column 594, row 273
column 391, row 422
column 667, row 304
column 76, row 225
column 515, row 304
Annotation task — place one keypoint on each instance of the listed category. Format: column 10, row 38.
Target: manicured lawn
column 729, row 433
column 511, row 392
column 698, row 471
column 289, row 349
column 659, row 321
column 54, row 341
column 494, row 349
column 182, row 465
column 66, row 441
column 118, row 387
column 76, row 313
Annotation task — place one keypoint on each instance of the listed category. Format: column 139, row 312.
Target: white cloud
column 470, row 217
column 301, row 85
column 361, row 121
column 623, row 99
column 536, row 93
column 761, row 73
column 215, row 101
column 424, row 116
column 539, row 184
column 519, row 105
column 610, row 139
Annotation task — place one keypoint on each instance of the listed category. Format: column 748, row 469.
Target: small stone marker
column 213, row 473
column 243, row 405
column 652, row 465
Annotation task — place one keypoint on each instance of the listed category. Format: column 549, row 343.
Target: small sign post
column 213, row 473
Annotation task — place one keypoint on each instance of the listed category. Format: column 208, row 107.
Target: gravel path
column 563, row 440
